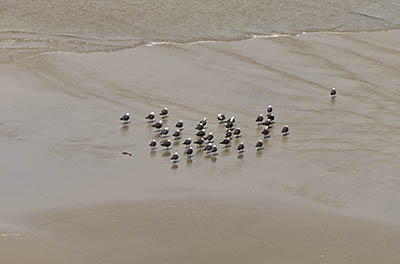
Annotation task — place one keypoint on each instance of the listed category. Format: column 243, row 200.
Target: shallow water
column 32, row 27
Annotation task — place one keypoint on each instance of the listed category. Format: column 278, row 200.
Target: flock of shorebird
column 205, row 141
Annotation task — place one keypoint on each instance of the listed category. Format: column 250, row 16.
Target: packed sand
column 328, row 193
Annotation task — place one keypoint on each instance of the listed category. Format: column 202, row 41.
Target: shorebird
column 199, row 142
column 267, row 122
column 265, row 132
column 229, row 124
column 201, row 133
column 285, row 130
column 177, row 134
column 269, row 109
column 259, row 119
column 158, row 126
column 203, row 122
column 179, row 125
column 153, row 145
column 240, row 148
column 208, row 148
column 259, row 145
column 209, row 137
column 221, row 118
column 187, row 142
column 164, row 132
column 199, row 127
column 228, row 133
column 164, row 112
column 175, row 157
column 214, row 150
column 150, row 117
column 236, row 132
column 189, row 152
column 333, row 93
column 167, row 144
column 225, row 142
column 125, row 119
column 271, row 117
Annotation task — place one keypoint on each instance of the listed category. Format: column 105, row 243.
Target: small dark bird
column 189, row 152
column 333, row 93
column 209, row 137
column 153, row 145
column 164, row 132
column 125, row 118
column 179, row 125
column 259, row 145
column 236, row 132
column 229, row 124
column 187, row 142
column 265, row 132
column 269, row 109
column 167, row 144
column 259, row 119
column 176, row 134
column 214, row 150
column 199, row 127
column 201, row 133
column 240, row 148
column 175, row 157
column 232, row 119
column 203, row 122
column 228, row 133
column 199, row 142
column 208, row 148
column 267, row 122
column 221, row 118
column 271, row 117
column 158, row 125
column 285, row 130
column 164, row 113
column 150, row 117
column 225, row 142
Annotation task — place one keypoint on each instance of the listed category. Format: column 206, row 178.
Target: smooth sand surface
column 328, row 193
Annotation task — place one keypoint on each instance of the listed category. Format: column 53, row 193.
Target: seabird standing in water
column 228, row 133
column 203, row 122
column 187, row 142
column 271, row 117
column 208, row 148
column 179, row 125
column 199, row 126
column 229, row 124
column 175, row 157
column 259, row 119
column 150, row 117
column 269, row 109
column 189, row 152
column 236, row 132
column 177, row 134
column 164, row 132
column 333, row 93
column 267, row 122
column 158, row 126
column 240, row 148
column 125, row 119
column 164, row 112
column 201, row 133
column 199, row 142
column 265, row 132
column 209, row 137
column 221, row 118
column 226, row 142
column 167, row 144
column 214, row 150
column 285, row 130
column 259, row 145
column 153, row 145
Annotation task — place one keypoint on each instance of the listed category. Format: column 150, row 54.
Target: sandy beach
column 328, row 193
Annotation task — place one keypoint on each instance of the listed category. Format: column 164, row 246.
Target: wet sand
column 327, row 193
